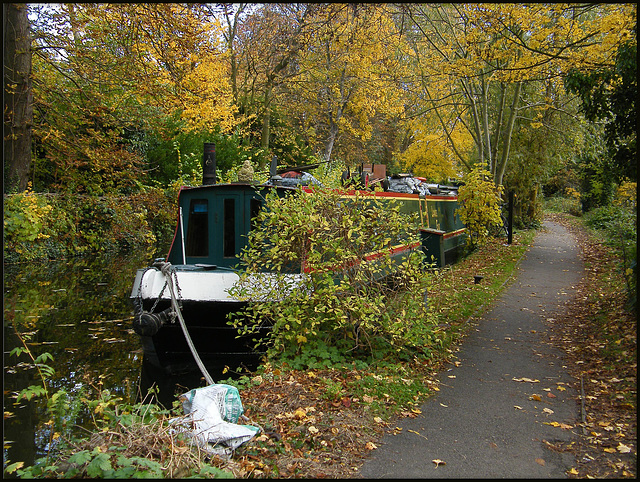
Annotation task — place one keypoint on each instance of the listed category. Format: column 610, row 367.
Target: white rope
column 176, row 309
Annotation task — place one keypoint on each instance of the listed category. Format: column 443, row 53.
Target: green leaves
column 480, row 204
column 32, row 391
column 351, row 296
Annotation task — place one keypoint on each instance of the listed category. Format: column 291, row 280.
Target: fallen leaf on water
column 438, row 462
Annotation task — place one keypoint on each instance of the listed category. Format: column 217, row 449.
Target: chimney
column 209, row 164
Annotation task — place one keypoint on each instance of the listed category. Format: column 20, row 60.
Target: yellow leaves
column 525, row 41
column 430, row 154
column 524, row 379
column 439, row 462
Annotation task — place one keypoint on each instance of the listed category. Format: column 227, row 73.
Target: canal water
column 79, row 312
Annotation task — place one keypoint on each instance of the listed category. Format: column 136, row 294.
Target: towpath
column 508, row 399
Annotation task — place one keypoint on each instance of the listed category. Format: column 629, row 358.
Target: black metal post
column 510, row 235
column 209, row 164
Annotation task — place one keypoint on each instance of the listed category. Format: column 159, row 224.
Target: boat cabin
column 214, row 222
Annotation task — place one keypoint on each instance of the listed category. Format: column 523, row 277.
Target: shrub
column 618, row 224
column 24, row 217
column 479, row 206
column 344, row 307
column 47, row 226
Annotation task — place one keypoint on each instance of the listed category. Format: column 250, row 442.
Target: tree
column 110, row 77
column 473, row 61
column 347, row 76
column 262, row 43
column 18, row 96
column 609, row 95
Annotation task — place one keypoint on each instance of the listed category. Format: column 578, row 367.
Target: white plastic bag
column 213, row 412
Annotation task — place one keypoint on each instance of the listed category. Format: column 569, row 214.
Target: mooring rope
column 166, row 269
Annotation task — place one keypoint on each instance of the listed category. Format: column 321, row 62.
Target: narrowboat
column 181, row 302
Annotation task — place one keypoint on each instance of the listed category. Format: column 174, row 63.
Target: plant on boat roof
column 479, row 204
column 345, row 308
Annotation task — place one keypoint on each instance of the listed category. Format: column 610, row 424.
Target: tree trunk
column 330, row 142
column 266, row 126
column 507, row 136
column 18, row 97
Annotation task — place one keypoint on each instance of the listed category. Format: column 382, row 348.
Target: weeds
column 122, row 440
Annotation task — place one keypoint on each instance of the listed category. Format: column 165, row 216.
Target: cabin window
column 197, row 243
column 229, row 227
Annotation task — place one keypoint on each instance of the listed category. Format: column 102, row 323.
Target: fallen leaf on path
column 540, row 462
column 526, row 380
column 438, row 462
column 623, row 449
column 419, row 434
column 558, row 424
column 371, row 446
column 547, row 410
column 535, row 397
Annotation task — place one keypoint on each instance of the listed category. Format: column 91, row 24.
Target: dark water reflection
column 81, row 314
